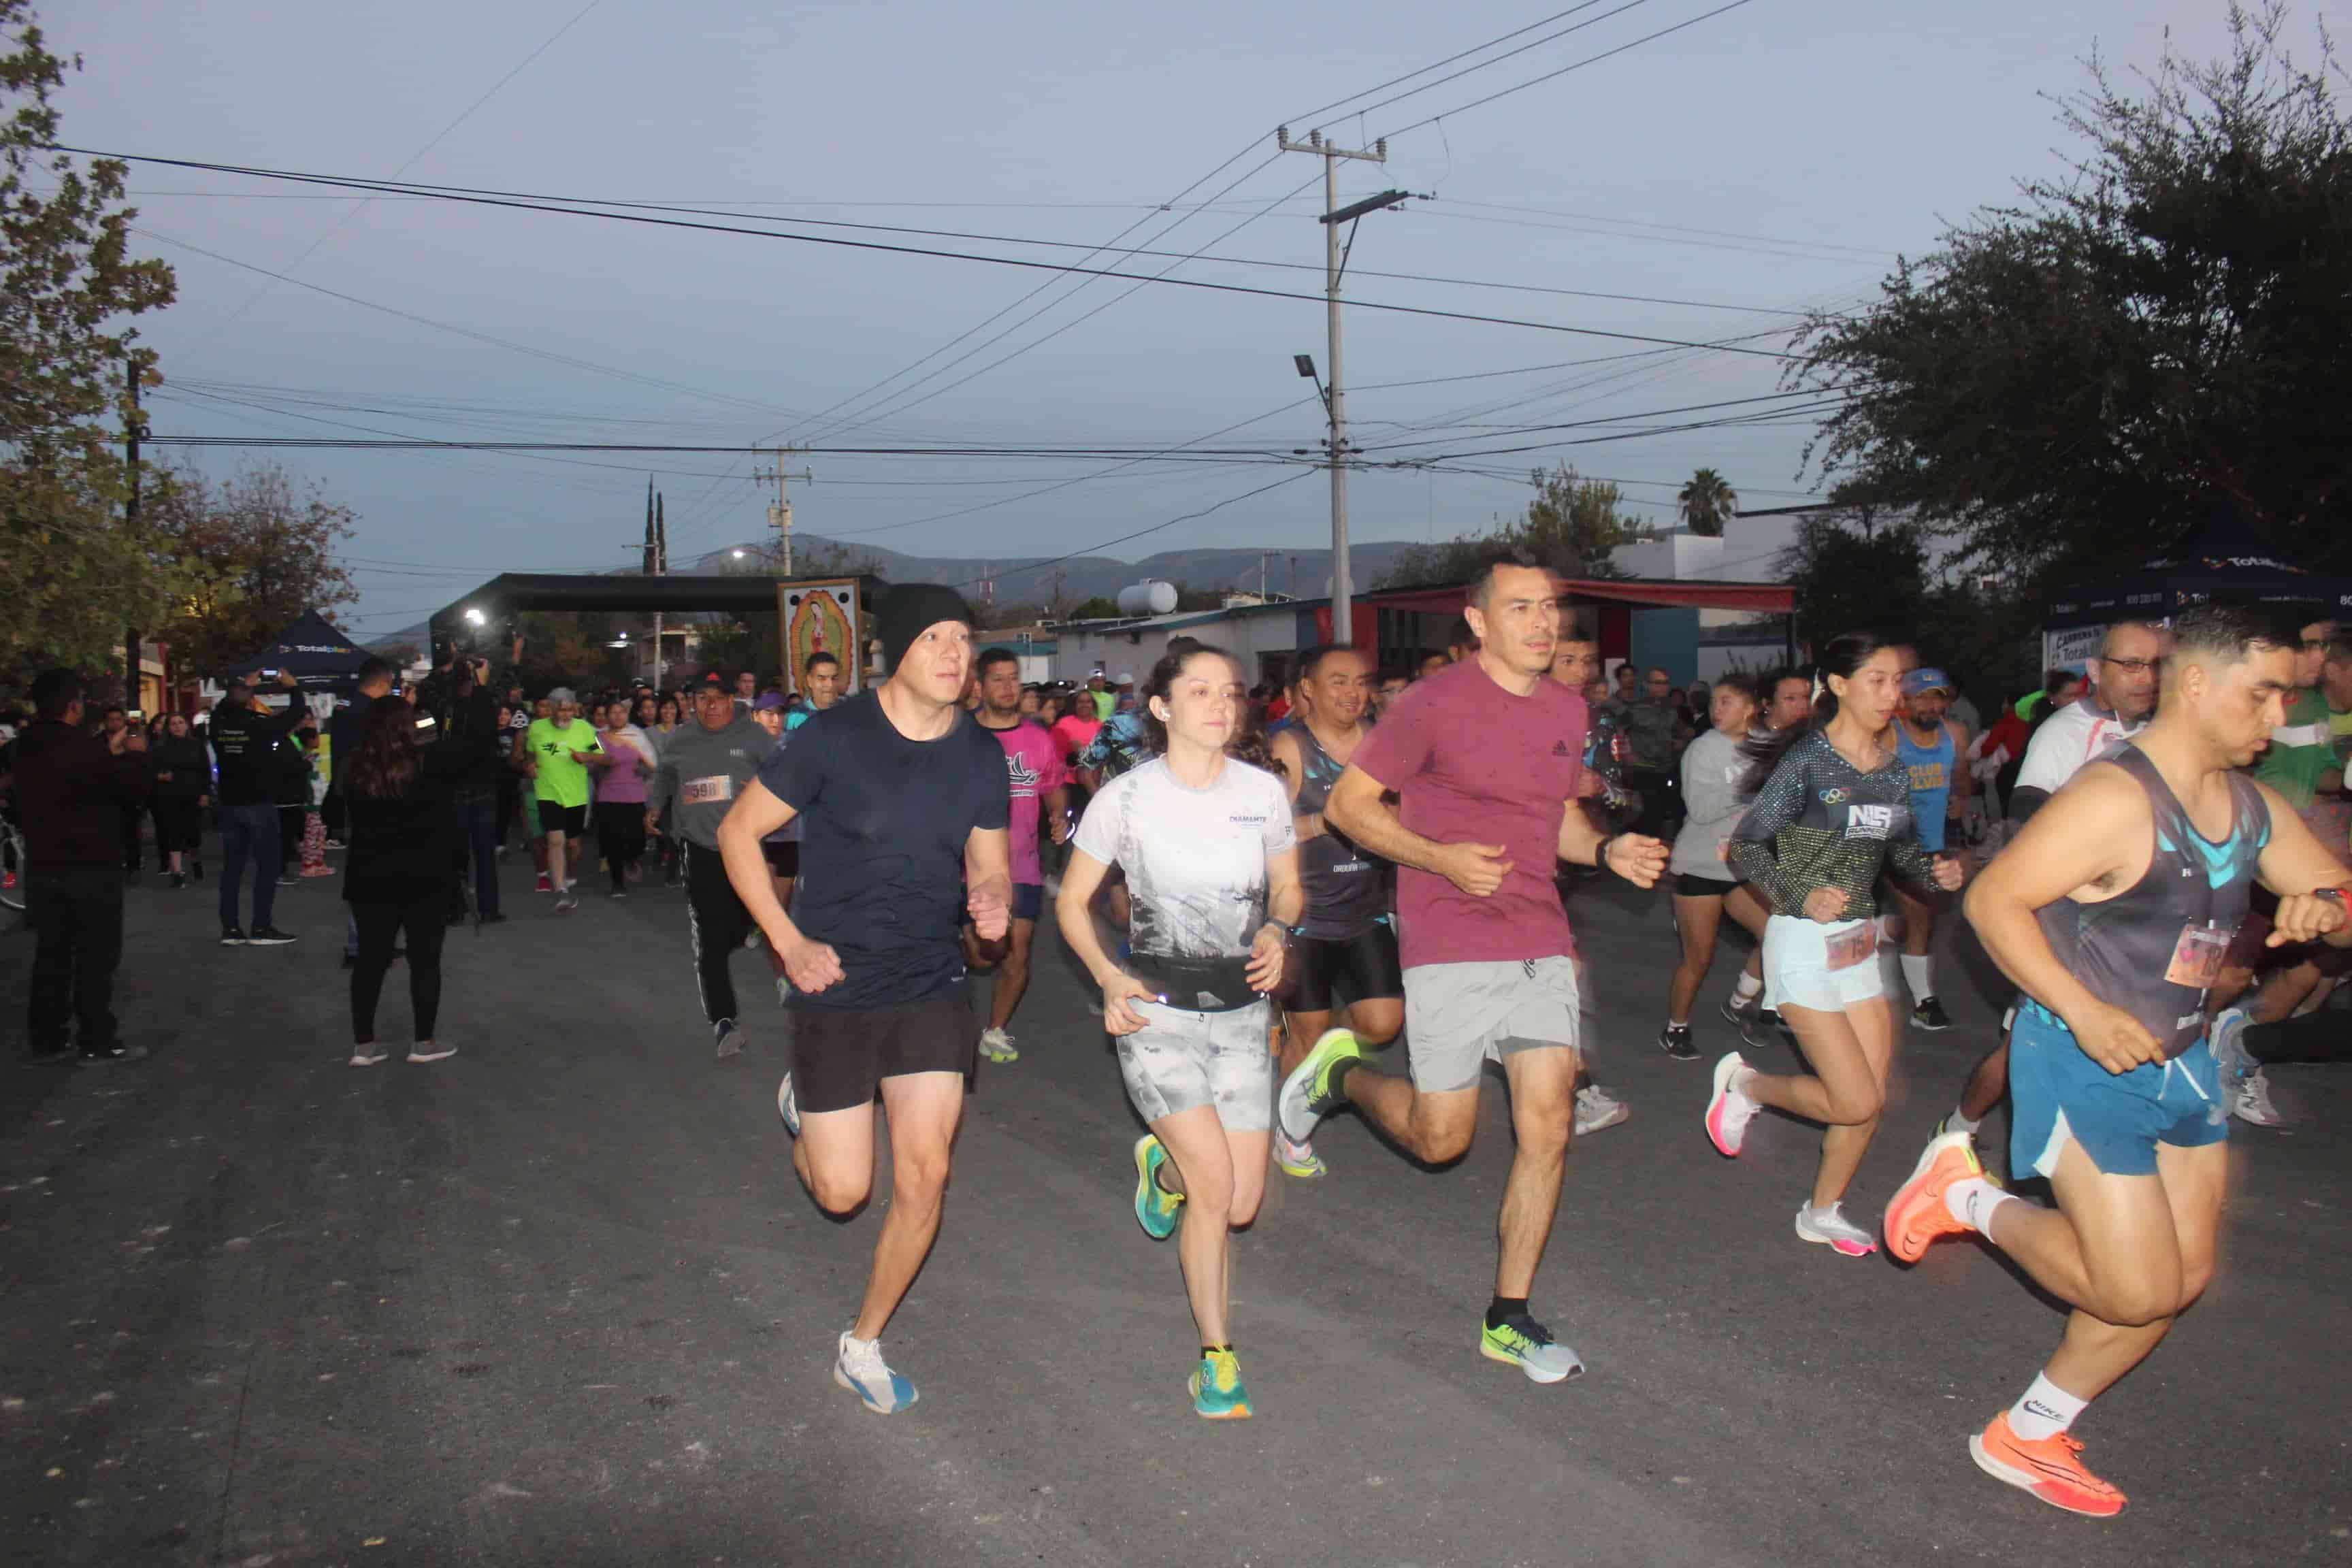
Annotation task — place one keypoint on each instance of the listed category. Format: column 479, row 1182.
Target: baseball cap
column 1927, row 677
column 768, row 702
column 1126, row 678
column 713, row 678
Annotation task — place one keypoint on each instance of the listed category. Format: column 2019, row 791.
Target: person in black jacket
column 71, row 792
column 400, row 804
column 183, row 786
column 467, row 716
column 244, row 736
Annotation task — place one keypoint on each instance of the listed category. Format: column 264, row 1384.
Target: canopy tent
column 321, row 659
column 2207, row 568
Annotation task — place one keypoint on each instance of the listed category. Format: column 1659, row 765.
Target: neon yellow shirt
column 561, row 781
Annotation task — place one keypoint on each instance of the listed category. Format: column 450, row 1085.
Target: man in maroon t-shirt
column 1484, row 757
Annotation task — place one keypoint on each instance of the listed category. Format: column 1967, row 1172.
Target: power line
column 1580, row 65
column 526, row 205
column 438, row 137
column 1035, row 566
column 1549, row 38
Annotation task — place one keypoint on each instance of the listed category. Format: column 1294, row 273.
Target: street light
column 738, row 554
column 475, row 617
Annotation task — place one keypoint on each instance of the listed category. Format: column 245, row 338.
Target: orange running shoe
column 1916, row 1215
column 2052, row 1469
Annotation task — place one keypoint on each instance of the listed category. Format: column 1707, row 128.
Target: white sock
column 1973, row 1202
column 1919, row 976
column 1961, row 1121
column 2045, row 1411
column 1748, row 988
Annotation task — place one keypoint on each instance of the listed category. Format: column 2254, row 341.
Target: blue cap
column 1927, row 679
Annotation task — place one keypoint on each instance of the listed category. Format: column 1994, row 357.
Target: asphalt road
column 560, row 1300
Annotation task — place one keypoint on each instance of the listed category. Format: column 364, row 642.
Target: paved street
column 560, row 1300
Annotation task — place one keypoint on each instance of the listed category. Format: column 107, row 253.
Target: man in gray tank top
column 2112, row 911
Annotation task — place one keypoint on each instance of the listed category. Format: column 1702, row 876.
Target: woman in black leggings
column 401, row 872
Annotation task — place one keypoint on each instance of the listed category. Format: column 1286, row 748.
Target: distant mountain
column 1030, row 579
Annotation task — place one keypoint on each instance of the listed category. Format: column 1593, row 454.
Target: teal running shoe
column 1519, row 1341
column 1216, row 1388
column 1311, row 1090
column 1155, row 1208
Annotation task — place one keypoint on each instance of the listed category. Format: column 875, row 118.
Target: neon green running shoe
column 1155, row 1208
column 1311, row 1090
column 1519, row 1341
column 1216, row 1388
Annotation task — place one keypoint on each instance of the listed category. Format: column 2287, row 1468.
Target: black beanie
column 909, row 610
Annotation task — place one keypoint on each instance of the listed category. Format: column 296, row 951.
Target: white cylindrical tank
column 1149, row 597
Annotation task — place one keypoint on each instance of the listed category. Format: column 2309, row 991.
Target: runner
column 1038, row 783
column 624, row 759
column 2098, row 911
column 1346, row 934
column 554, row 755
column 2123, row 695
column 1601, row 794
column 902, row 803
column 1790, row 705
column 1484, row 757
column 1209, row 852
column 1715, row 772
column 1930, row 745
column 1833, row 813
column 705, row 765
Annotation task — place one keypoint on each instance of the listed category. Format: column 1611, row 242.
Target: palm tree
column 1708, row 501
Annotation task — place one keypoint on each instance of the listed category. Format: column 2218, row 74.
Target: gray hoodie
column 702, row 771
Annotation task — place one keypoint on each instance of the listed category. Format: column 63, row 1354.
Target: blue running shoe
column 859, row 1367
column 1216, row 1388
column 1155, row 1208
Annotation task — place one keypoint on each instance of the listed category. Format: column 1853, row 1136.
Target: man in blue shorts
column 2112, row 911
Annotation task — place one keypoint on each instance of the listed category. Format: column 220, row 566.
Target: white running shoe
column 367, row 1056
column 858, row 1367
column 1728, row 1108
column 997, row 1045
column 1597, row 1109
column 1829, row 1227
column 430, row 1051
column 2251, row 1103
column 788, row 1105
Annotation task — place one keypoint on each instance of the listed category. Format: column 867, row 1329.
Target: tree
column 2076, row 381
column 1852, row 572
column 570, row 647
column 1098, row 608
column 1573, row 526
column 78, row 574
column 249, row 555
column 1707, row 502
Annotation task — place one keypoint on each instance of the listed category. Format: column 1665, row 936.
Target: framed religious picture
column 822, row 615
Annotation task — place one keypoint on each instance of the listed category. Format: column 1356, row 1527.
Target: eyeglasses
column 2132, row 666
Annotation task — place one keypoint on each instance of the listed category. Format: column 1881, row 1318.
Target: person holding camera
column 246, row 736
column 71, row 791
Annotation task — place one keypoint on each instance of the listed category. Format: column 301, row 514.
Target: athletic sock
column 1919, row 976
column 1747, row 989
column 1502, row 1307
column 2045, row 1411
column 1973, row 1202
column 1208, row 1350
column 1959, row 1121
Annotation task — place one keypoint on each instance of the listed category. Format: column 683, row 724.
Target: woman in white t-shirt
column 1211, row 864
column 1716, row 794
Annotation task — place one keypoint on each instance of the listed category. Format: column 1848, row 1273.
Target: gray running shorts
column 1179, row 1059
column 1459, row 1016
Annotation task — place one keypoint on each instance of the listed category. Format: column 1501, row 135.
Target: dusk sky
column 1768, row 160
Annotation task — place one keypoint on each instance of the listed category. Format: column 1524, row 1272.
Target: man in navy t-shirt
column 903, row 802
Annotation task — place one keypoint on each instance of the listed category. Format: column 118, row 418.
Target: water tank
column 1149, row 597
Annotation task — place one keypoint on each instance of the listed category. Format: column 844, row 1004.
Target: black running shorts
column 571, row 821
column 783, row 855
column 1690, row 884
column 1364, row 966
column 840, row 1054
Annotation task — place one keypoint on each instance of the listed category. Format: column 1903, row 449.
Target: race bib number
column 709, row 791
column 1858, row 945
column 1869, row 821
column 2196, row 957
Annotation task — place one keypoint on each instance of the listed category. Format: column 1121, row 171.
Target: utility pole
column 1335, row 262
column 780, row 510
column 132, row 431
